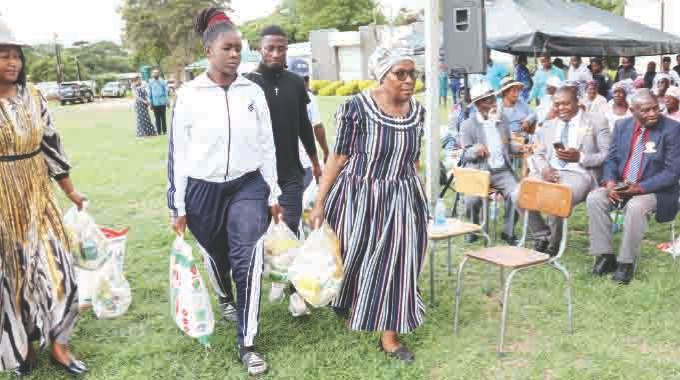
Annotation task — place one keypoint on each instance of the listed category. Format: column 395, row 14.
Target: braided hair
column 212, row 22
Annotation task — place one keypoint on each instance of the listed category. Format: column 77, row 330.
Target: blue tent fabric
column 561, row 28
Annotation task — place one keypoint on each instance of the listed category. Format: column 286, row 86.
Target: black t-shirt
column 287, row 99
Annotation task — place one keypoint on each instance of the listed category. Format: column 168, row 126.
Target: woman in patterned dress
column 38, row 291
column 372, row 197
column 144, row 126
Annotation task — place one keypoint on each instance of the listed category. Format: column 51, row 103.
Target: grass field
column 627, row 332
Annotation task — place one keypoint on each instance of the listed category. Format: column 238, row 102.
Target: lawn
column 621, row 332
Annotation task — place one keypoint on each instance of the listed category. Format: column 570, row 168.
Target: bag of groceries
column 280, row 245
column 317, row 269
column 309, row 196
column 112, row 296
column 93, row 244
column 189, row 298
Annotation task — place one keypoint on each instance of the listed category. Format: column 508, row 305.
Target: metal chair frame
column 505, row 284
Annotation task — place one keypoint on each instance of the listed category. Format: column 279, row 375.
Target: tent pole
column 432, row 140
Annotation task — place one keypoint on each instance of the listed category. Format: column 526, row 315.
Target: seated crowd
column 619, row 155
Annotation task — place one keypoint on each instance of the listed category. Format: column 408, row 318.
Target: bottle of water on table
column 440, row 213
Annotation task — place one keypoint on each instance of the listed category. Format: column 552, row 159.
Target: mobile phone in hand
column 558, row 146
column 621, row 187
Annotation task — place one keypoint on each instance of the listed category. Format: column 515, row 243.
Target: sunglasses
column 403, row 74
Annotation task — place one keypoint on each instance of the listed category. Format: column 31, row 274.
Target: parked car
column 114, row 90
column 71, row 92
column 50, row 90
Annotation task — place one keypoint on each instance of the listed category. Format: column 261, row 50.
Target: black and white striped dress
column 377, row 207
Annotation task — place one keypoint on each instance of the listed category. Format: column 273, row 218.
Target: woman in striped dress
column 38, row 290
column 372, row 197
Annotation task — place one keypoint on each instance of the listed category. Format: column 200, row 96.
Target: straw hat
column 7, row 37
column 481, row 91
column 507, row 83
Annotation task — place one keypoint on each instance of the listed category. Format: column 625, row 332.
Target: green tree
column 161, row 31
column 299, row 17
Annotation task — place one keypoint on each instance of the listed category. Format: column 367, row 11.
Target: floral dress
column 144, row 126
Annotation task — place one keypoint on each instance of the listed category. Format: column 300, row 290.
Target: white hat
column 509, row 82
column 554, row 81
column 7, row 37
column 481, row 91
column 673, row 91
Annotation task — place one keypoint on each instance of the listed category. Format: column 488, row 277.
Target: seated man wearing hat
column 487, row 146
column 640, row 175
column 520, row 117
column 570, row 150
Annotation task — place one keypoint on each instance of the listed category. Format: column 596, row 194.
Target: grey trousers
column 508, row 185
column 580, row 185
column 636, row 216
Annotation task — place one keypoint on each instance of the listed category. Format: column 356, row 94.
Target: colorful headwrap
column 674, row 92
column 386, row 57
column 592, row 83
column 626, row 85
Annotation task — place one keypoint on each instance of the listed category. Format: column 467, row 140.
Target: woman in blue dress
column 144, row 126
column 372, row 197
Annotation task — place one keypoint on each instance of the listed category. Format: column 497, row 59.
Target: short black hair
column 208, row 32
column 666, row 59
column 273, row 30
column 596, row 60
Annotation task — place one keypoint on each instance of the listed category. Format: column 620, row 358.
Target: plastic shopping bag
column 309, row 196
column 189, row 299
column 88, row 279
column 317, row 269
column 280, row 245
column 112, row 295
column 93, row 245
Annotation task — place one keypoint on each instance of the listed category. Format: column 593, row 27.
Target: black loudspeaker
column 465, row 35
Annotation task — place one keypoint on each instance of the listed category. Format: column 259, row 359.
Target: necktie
column 635, row 163
column 564, row 139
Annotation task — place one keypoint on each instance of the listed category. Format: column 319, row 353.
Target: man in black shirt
column 287, row 99
column 602, row 78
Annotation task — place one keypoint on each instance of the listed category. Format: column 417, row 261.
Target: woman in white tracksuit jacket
column 222, row 173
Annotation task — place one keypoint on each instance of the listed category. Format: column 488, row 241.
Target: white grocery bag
column 113, row 295
column 280, row 245
column 92, row 244
column 189, row 298
column 309, row 196
column 317, row 269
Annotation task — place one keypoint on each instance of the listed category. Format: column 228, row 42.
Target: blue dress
column 377, row 207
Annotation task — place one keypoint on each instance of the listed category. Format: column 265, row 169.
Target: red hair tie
column 219, row 18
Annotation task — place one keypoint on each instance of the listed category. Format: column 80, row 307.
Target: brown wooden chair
column 471, row 182
column 534, row 195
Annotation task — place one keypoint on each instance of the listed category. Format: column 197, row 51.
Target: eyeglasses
column 402, row 74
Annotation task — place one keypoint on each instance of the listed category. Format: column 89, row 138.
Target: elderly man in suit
column 570, row 150
column 641, row 175
column 487, row 144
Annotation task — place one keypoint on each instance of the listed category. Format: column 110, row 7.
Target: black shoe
column 471, row 238
column 604, row 264
column 552, row 252
column 402, row 353
column 510, row 240
column 623, row 274
column 541, row 245
column 75, row 367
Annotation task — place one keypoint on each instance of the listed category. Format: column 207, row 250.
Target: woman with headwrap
column 593, row 101
column 618, row 107
column 371, row 195
column 662, row 83
column 38, row 290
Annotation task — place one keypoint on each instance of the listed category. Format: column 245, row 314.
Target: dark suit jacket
column 660, row 168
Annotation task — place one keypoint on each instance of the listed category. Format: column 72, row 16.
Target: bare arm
column 320, row 134
column 69, row 189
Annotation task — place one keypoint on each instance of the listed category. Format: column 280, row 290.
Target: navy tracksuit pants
column 228, row 219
